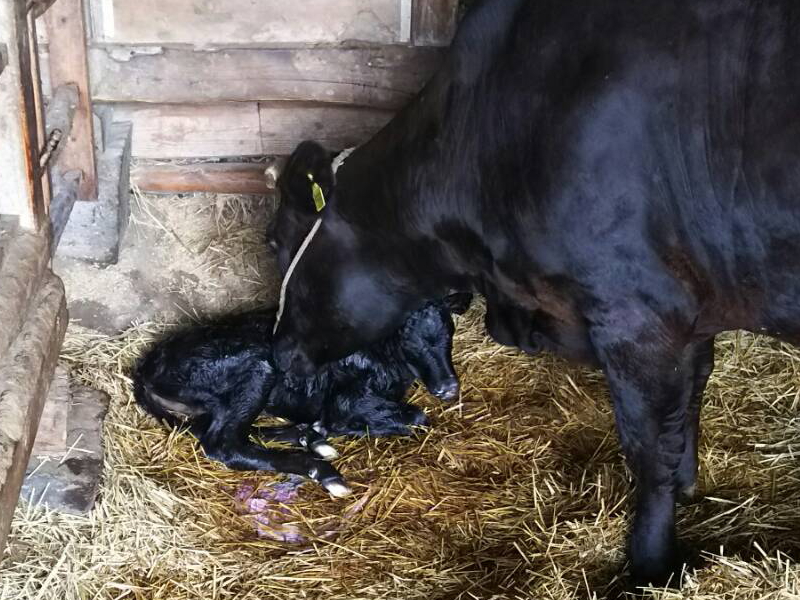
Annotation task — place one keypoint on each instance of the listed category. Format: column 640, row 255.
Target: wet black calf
column 219, row 378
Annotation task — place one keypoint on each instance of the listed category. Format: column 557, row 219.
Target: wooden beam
column 38, row 7
column 245, row 129
column 38, row 102
column 68, row 64
column 65, row 193
column 433, row 22
column 24, row 262
column 51, row 436
column 378, row 77
column 218, row 178
column 26, row 378
column 284, row 125
column 21, row 190
column 182, row 131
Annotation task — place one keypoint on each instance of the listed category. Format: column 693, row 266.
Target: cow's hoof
column 687, row 494
column 666, row 573
column 328, row 477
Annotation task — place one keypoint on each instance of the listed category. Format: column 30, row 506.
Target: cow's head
column 342, row 294
column 297, row 211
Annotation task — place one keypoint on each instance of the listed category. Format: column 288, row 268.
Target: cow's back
column 619, row 141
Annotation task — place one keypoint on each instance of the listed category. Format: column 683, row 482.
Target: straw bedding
column 517, row 491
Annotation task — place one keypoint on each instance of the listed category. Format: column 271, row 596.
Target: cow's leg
column 687, row 471
column 651, row 383
column 303, row 435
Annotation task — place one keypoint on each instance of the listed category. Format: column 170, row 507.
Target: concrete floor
column 187, row 256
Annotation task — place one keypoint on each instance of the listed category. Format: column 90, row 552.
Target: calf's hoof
column 414, row 417
column 336, row 487
column 324, row 450
column 328, row 477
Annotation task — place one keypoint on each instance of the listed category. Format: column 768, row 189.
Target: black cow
column 218, row 378
column 620, row 180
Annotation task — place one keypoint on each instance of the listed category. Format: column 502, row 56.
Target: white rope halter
column 337, row 162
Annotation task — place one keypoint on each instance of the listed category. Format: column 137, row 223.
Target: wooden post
column 21, row 191
column 66, row 33
column 433, row 22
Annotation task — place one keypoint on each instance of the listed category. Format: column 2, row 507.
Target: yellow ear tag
column 316, row 192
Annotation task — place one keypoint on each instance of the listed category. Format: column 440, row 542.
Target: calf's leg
column 311, row 437
column 231, row 447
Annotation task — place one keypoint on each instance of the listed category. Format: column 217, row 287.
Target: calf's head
column 426, row 341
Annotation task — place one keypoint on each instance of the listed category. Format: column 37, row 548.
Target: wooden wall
column 214, row 78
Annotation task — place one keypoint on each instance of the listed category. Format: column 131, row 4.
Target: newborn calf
column 218, row 378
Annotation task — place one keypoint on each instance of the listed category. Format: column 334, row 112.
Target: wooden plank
column 39, row 7
column 25, row 378
column 434, row 22
column 380, row 77
column 65, row 194
column 218, row 178
column 207, row 23
column 51, row 435
column 21, row 190
column 69, row 64
column 283, row 126
column 25, row 259
column 245, row 129
column 171, row 131
column 38, row 101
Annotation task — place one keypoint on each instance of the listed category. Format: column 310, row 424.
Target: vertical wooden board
column 181, row 131
column 434, row 22
column 69, row 64
column 335, row 127
column 218, row 22
column 21, row 191
column 25, row 379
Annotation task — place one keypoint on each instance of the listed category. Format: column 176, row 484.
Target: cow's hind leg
column 311, row 437
column 686, row 478
column 652, row 388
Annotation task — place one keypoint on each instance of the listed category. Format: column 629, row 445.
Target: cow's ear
column 306, row 182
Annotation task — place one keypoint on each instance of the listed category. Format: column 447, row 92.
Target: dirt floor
column 517, row 491
column 183, row 256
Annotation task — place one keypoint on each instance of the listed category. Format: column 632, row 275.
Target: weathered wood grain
column 379, row 77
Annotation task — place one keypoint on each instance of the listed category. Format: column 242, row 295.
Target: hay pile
column 518, row 491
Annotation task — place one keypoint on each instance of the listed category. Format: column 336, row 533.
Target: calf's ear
column 306, row 182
